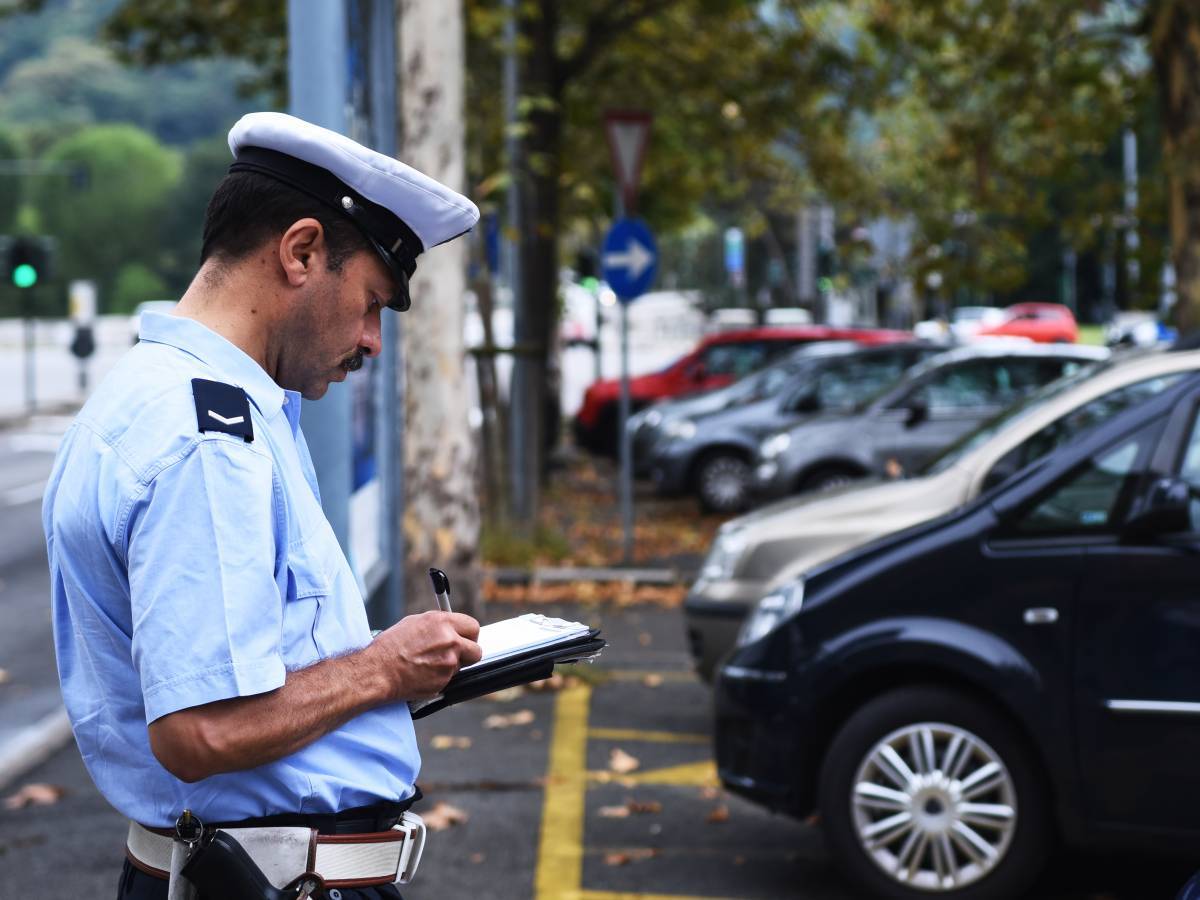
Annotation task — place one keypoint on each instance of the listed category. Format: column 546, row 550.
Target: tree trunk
column 441, row 512
column 1175, row 45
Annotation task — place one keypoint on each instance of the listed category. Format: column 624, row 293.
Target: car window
column 846, row 385
column 1189, row 471
column 734, row 359
column 1076, row 422
column 1092, row 498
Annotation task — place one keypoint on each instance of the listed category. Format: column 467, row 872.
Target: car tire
column 857, row 792
column 723, row 483
column 827, row 478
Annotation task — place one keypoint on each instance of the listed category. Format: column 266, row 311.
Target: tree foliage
column 116, row 217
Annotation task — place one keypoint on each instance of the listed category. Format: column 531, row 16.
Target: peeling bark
column 441, row 512
column 1175, row 46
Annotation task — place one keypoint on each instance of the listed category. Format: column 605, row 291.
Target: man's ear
column 302, row 250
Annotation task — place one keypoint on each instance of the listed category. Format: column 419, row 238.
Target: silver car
column 755, row 553
column 900, row 430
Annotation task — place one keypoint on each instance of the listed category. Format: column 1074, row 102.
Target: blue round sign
column 629, row 260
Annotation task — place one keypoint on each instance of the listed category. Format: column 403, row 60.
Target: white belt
column 284, row 854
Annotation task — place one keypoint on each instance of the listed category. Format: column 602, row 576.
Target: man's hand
column 420, row 653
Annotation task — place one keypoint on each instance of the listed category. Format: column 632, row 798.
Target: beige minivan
column 754, row 553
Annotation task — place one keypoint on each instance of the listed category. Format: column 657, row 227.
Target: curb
column 34, row 745
column 558, row 575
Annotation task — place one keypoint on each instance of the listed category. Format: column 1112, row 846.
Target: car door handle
column 1041, row 615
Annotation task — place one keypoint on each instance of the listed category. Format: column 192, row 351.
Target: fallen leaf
column 36, row 794
column 616, row 859
column 614, row 812
column 645, row 639
column 739, row 860
column 710, row 793
column 536, row 734
column 718, row 815
column 644, row 807
column 477, row 858
column 443, row 816
column 450, row 742
column 624, row 857
column 652, row 681
column 500, row 720
column 814, row 820
column 621, row 762
column 507, row 695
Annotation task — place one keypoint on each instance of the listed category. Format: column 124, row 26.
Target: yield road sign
column 629, row 259
column 627, row 133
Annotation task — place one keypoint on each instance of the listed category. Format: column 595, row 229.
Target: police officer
column 212, row 644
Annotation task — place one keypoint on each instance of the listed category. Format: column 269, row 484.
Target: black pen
column 441, row 589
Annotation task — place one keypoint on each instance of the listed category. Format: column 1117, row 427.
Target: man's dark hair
column 248, row 209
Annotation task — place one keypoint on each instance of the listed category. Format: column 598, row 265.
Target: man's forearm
column 245, row 732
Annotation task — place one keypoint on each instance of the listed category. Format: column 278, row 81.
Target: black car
column 711, row 453
column 951, row 697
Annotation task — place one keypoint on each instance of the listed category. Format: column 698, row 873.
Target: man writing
column 212, row 644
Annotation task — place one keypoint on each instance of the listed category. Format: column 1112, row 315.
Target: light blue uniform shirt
column 190, row 567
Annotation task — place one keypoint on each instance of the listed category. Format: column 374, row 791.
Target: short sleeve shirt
column 193, row 566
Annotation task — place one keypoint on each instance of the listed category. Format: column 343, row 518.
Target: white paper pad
column 528, row 632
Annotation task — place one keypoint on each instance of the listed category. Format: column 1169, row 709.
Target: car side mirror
column 804, row 402
column 1166, row 510
column 918, row 412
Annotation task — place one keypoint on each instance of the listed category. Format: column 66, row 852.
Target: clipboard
column 522, row 650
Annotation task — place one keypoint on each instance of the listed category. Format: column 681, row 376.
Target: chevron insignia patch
column 222, row 407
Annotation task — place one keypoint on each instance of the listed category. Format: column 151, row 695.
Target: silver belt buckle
column 414, row 845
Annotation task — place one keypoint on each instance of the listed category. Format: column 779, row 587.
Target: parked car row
column 827, row 415
column 717, row 361
column 956, row 666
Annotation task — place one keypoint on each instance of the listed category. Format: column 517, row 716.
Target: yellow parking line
column 657, row 737
column 560, row 850
column 697, row 774
column 673, row 676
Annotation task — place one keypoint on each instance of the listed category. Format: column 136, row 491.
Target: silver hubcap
column 934, row 807
column 724, row 482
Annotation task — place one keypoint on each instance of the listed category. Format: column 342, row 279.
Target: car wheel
column 926, row 791
column 723, row 483
column 828, row 478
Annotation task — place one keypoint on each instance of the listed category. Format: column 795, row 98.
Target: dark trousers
column 137, row 885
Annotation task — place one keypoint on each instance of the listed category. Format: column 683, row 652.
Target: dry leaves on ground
column 718, row 816
column 450, row 742
column 502, row 720
column 506, row 695
column 36, row 794
column 443, row 816
column 555, row 682
column 633, row 854
column 620, row 593
column 621, row 762
column 4, row 676
column 631, row 808
column 652, row 681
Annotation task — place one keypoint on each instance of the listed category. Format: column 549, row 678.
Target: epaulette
column 222, row 407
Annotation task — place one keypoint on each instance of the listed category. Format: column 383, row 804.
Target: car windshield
column 1014, row 413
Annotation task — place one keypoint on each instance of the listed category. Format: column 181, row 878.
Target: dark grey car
column 900, row 430
column 712, row 454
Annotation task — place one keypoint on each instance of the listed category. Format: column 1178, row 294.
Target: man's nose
column 371, row 342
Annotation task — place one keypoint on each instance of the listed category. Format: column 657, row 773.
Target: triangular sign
column 627, row 136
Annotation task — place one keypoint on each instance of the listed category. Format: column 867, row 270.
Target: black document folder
column 518, row 651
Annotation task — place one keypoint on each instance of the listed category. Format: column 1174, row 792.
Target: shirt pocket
column 308, row 586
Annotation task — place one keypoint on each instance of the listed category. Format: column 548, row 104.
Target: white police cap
column 401, row 211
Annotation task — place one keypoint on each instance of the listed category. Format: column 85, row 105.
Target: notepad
column 512, row 637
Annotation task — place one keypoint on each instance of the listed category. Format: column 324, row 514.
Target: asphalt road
column 29, row 686
column 541, row 804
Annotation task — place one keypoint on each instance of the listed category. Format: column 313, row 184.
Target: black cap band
column 392, row 239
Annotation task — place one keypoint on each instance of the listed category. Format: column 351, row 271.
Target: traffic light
column 28, row 262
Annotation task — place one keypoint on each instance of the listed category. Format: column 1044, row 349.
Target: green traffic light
column 824, row 285
column 24, row 276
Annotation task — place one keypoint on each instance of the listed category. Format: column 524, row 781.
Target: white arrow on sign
column 635, row 260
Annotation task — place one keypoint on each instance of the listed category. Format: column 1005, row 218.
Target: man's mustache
column 353, row 363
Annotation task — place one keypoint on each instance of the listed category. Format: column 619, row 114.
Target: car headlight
column 653, row 418
column 771, row 611
column 680, row 429
column 775, row 444
column 724, row 555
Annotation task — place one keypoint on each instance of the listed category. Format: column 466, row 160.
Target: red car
column 1046, row 323
column 716, row 361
